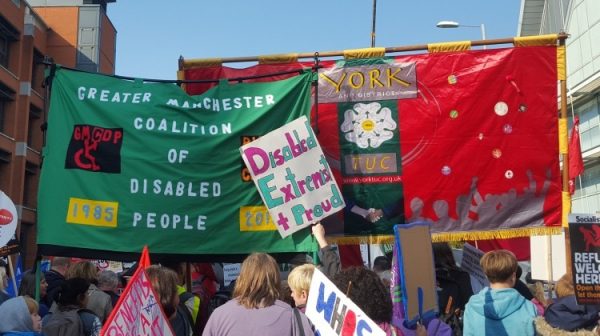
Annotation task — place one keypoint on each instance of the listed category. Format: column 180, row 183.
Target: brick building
column 74, row 33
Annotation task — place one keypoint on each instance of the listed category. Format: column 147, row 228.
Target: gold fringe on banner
column 364, row 53
column 566, row 208
column 539, row 40
column 278, row 58
column 455, row 236
column 201, row 62
column 563, row 137
column 497, row 234
column 561, row 62
column 449, row 46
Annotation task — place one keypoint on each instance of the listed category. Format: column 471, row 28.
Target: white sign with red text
column 8, row 219
column 138, row 311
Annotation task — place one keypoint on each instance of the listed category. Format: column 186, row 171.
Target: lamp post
column 373, row 27
column 454, row 24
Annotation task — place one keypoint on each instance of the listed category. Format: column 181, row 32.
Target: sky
column 152, row 34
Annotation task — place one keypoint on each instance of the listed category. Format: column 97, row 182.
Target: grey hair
column 108, row 280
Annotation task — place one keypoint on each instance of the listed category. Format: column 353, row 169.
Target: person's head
column 108, row 280
column 19, row 314
column 564, row 286
column 33, row 307
column 300, row 259
column 299, row 282
column 367, row 291
column 61, row 264
column 258, row 284
column 164, row 282
column 85, row 270
column 442, row 256
column 177, row 267
column 27, row 286
column 381, row 263
column 499, row 266
column 286, row 294
column 73, row 292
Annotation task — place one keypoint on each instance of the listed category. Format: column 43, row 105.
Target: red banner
column 478, row 139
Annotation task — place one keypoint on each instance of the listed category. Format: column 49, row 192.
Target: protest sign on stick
column 584, row 232
column 417, row 272
column 470, row 264
column 138, row 311
column 8, row 223
column 293, row 176
column 333, row 313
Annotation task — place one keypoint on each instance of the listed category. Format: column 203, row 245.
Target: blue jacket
column 566, row 314
column 499, row 312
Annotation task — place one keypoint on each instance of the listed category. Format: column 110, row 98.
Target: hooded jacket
column 566, row 314
column 15, row 318
column 501, row 312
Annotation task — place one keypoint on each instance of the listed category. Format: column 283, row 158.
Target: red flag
column 144, row 258
column 575, row 159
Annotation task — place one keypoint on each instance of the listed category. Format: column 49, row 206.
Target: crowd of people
column 77, row 299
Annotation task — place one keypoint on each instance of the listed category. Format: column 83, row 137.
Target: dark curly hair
column 72, row 292
column 367, row 291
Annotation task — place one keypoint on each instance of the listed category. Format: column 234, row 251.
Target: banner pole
column 12, row 275
column 565, row 157
column 549, row 259
column 374, row 20
column 188, row 277
column 192, row 63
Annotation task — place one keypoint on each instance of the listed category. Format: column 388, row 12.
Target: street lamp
column 454, row 24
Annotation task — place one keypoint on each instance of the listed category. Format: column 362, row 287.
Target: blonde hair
column 498, row 265
column 32, row 305
column 164, row 282
column 259, row 283
column 564, row 286
column 300, row 277
column 85, row 270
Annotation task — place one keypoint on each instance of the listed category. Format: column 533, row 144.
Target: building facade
column 581, row 20
column 75, row 34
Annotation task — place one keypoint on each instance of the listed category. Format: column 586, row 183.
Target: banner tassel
column 456, row 236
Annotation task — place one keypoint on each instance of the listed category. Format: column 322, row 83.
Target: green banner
column 129, row 164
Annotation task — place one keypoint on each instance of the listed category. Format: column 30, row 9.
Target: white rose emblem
column 368, row 125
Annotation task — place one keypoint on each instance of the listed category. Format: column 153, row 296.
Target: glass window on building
column 37, row 71
column 4, row 50
column 30, row 185
column 589, row 124
column 3, row 104
column 34, row 132
column 8, row 34
column 587, row 195
column 4, row 169
column 6, row 97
